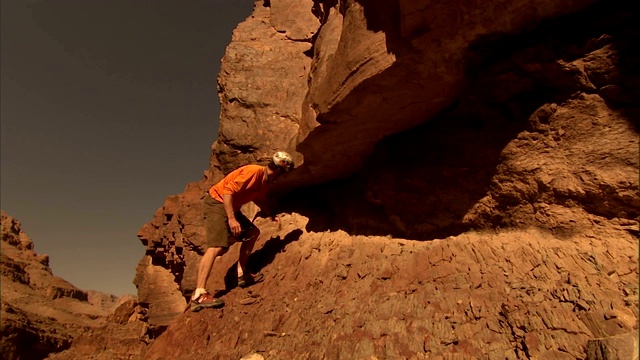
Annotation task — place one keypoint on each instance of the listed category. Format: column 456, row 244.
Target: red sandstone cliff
column 467, row 186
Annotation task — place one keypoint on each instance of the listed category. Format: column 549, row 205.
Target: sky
column 107, row 108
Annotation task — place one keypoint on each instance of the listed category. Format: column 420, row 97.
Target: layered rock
column 506, row 131
column 43, row 314
column 396, row 65
column 531, row 142
column 516, row 294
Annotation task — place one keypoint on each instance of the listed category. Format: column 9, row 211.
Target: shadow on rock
column 425, row 183
column 260, row 258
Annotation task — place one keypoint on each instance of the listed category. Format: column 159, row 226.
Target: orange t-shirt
column 245, row 184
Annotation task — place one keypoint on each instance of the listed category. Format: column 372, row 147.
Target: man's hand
column 235, row 227
column 276, row 218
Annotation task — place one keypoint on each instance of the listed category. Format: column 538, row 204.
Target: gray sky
column 107, row 107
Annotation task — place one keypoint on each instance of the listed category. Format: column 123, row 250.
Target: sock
column 198, row 292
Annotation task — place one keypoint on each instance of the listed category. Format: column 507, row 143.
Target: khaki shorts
column 217, row 224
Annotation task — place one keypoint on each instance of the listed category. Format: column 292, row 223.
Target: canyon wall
column 43, row 315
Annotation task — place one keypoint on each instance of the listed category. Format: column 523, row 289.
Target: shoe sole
column 198, row 307
column 258, row 278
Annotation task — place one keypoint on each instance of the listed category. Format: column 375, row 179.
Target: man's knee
column 217, row 250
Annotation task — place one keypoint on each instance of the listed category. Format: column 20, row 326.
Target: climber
column 225, row 223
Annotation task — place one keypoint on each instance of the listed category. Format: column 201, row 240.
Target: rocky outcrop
column 467, row 185
column 613, row 347
column 43, row 314
column 396, row 65
column 262, row 84
column 516, row 294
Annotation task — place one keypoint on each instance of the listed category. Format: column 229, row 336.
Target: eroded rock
column 43, row 315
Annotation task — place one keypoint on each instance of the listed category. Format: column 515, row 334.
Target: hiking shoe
column 244, row 282
column 206, row 301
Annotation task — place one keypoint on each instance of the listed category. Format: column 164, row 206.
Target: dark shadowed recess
column 419, row 184
column 260, row 258
column 384, row 15
column 27, row 343
column 615, row 23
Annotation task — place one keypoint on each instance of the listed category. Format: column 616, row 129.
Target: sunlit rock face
column 509, row 130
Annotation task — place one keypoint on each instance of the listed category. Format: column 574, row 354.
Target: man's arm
column 234, row 225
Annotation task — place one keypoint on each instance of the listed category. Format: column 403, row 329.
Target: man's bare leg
column 245, row 250
column 206, row 264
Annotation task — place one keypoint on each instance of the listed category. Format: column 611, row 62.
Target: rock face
column 467, row 186
column 43, row 314
column 396, row 65
column 520, row 294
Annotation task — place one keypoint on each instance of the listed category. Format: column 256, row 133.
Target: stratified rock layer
column 46, row 317
column 396, row 65
column 43, row 314
column 516, row 294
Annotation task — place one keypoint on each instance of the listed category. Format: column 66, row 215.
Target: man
column 225, row 223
